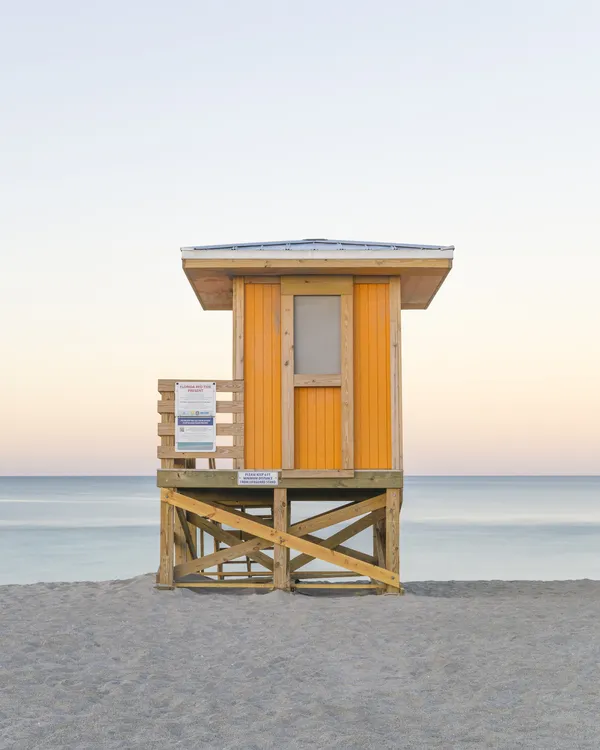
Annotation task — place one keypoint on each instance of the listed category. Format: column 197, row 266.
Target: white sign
column 270, row 478
column 195, row 417
column 195, row 399
column 195, row 434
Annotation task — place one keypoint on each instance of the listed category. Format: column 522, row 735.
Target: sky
column 130, row 129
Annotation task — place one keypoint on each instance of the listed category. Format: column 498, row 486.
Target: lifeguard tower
column 313, row 412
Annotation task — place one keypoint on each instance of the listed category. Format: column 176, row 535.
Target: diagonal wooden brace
column 228, row 538
column 286, row 539
column 341, row 536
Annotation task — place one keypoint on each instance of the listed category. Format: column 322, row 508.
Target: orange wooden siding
column 372, row 404
column 317, row 428
column 262, row 376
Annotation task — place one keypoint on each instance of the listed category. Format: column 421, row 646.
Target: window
column 317, row 325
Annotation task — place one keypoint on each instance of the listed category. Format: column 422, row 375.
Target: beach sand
column 449, row 665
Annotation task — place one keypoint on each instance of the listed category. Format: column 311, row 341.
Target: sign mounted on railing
column 195, row 417
column 261, row 478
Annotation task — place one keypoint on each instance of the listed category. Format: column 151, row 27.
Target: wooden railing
column 170, row 458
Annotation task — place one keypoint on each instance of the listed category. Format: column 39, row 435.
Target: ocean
column 452, row 528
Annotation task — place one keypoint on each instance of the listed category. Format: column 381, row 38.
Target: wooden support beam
column 341, row 536
column 225, row 478
column 287, row 381
column 165, row 570
column 396, row 371
column 347, row 388
column 228, row 538
column 222, row 584
column 252, row 546
column 392, row 536
column 187, row 533
column 226, row 554
column 345, row 550
column 238, row 356
column 281, row 567
column 338, row 515
column 346, row 586
column 272, row 535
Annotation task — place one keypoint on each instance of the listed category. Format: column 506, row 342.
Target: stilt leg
column 165, row 571
column 392, row 534
column 281, row 558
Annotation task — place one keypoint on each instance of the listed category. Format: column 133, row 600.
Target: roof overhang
column 211, row 268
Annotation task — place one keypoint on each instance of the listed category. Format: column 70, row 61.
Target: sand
column 450, row 665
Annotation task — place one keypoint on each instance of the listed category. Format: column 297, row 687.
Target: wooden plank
column 165, row 570
column 341, row 536
column 347, row 394
column 262, row 280
column 396, row 372
column 284, row 538
column 222, row 429
column 299, row 285
column 338, row 515
column 387, row 266
column 307, row 381
column 303, row 574
column 222, row 386
column 187, row 533
column 179, row 478
column 222, row 451
column 238, row 357
column 223, row 407
column 347, row 586
column 371, row 279
column 281, row 568
column 287, row 381
column 240, row 573
column 392, row 535
column 345, row 550
column 222, row 584
column 228, row 538
column 220, row 556
column 316, row 473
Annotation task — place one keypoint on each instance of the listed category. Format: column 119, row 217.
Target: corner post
column 281, row 557
column 239, row 289
column 164, row 578
column 392, row 535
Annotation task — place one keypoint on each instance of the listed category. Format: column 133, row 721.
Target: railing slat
column 222, row 451
column 222, row 386
column 223, row 407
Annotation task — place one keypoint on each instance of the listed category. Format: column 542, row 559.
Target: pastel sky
column 131, row 128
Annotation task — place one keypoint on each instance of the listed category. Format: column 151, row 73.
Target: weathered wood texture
column 281, row 566
column 347, row 387
column 287, row 381
column 396, row 372
column 392, row 535
column 224, row 478
column 289, row 539
column 238, row 360
column 165, row 570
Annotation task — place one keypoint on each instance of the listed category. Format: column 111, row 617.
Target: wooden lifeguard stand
column 315, row 415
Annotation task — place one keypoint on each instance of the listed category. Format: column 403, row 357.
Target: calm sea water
column 461, row 528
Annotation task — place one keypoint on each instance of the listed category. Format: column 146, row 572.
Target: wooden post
column 347, row 379
column 396, row 371
column 238, row 355
column 392, row 534
column 287, row 381
column 281, row 557
column 379, row 545
column 165, row 570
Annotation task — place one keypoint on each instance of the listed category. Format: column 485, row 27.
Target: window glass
column 317, row 334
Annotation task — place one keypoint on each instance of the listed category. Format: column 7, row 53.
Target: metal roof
column 320, row 248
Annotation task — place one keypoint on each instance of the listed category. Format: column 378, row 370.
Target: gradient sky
column 131, row 128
